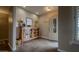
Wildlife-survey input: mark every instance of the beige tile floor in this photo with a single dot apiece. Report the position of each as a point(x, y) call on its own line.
point(39, 45)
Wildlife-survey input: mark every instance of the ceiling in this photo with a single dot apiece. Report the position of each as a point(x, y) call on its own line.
point(4, 11)
point(39, 10)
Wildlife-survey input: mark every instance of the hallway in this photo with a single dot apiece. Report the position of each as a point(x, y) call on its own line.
point(39, 45)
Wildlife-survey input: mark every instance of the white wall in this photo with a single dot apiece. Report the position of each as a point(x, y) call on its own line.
point(44, 24)
point(12, 29)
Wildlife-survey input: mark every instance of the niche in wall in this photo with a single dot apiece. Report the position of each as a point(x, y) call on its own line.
point(54, 25)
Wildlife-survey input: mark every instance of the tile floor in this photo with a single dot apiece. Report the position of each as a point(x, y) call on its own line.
point(38, 45)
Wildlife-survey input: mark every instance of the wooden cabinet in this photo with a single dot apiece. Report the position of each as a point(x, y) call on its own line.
point(34, 33)
point(28, 34)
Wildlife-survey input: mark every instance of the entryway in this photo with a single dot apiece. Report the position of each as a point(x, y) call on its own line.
point(36, 31)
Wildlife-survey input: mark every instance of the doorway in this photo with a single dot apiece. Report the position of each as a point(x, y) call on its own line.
point(4, 28)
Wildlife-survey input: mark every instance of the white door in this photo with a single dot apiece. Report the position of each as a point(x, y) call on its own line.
point(53, 28)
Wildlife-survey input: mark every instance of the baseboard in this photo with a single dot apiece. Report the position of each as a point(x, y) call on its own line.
point(60, 50)
point(10, 46)
point(3, 39)
point(49, 39)
point(13, 50)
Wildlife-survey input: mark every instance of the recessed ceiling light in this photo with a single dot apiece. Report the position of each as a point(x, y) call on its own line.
point(37, 13)
point(47, 9)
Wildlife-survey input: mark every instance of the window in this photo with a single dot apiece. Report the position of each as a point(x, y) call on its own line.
point(28, 22)
point(76, 23)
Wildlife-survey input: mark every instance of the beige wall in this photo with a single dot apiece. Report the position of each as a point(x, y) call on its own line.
point(4, 27)
point(44, 24)
point(4, 24)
